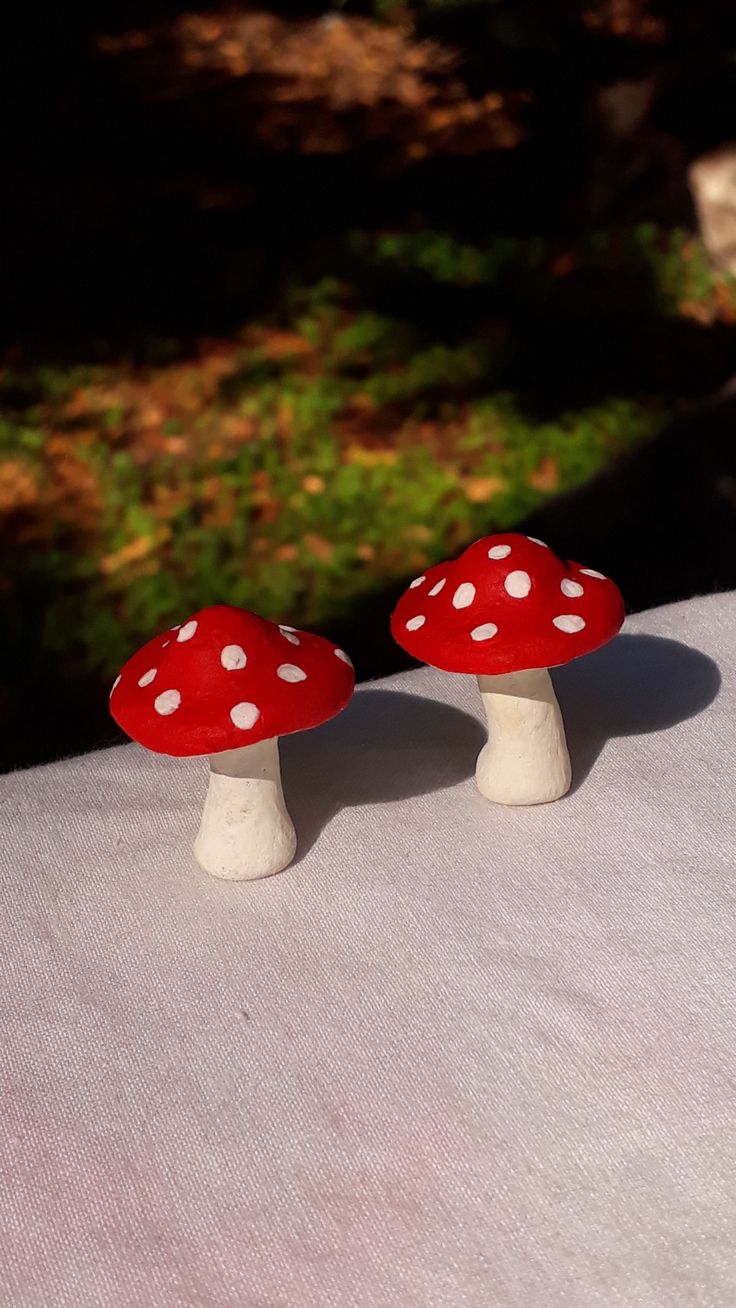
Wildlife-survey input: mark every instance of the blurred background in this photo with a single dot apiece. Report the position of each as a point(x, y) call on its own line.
point(296, 301)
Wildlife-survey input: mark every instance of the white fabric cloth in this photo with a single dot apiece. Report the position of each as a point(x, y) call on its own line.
point(458, 1056)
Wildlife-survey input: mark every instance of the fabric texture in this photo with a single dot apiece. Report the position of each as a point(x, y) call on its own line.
point(457, 1056)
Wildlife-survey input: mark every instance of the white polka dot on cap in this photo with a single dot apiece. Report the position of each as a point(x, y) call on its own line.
point(187, 631)
point(415, 623)
point(167, 702)
point(416, 582)
point(569, 622)
point(438, 586)
point(499, 551)
point(572, 589)
point(290, 672)
point(289, 634)
point(233, 657)
point(518, 584)
point(484, 632)
point(244, 715)
point(345, 658)
point(591, 572)
point(147, 677)
point(464, 595)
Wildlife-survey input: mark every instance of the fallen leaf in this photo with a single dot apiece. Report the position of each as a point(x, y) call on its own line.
point(239, 429)
point(319, 547)
point(285, 421)
point(368, 458)
point(361, 402)
point(726, 303)
point(287, 553)
point(546, 477)
point(280, 345)
point(423, 535)
point(699, 311)
point(151, 415)
point(211, 488)
point(18, 487)
point(131, 553)
point(77, 405)
point(479, 490)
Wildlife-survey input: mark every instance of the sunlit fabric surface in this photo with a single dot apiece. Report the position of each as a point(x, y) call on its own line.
point(456, 1057)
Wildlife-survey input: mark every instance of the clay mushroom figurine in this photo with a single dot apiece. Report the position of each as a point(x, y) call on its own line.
point(507, 610)
point(227, 684)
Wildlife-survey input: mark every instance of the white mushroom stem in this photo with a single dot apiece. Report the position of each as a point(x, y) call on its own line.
point(246, 831)
point(525, 760)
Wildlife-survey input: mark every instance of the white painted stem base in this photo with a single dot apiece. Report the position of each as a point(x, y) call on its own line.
point(246, 831)
point(526, 759)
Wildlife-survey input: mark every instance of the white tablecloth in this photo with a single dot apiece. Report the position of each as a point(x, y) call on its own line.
point(459, 1056)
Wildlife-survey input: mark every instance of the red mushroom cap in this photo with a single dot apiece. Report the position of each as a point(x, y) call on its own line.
point(508, 603)
point(227, 678)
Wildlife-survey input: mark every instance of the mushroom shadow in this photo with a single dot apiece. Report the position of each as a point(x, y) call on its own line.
point(633, 685)
point(386, 746)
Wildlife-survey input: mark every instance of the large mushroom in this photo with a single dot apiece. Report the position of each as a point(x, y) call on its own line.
point(227, 684)
point(506, 611)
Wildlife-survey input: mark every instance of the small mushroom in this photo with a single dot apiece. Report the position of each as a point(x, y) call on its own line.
point(228, 683)
point(507, 610)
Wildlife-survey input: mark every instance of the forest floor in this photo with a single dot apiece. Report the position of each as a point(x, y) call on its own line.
point(293, 467)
